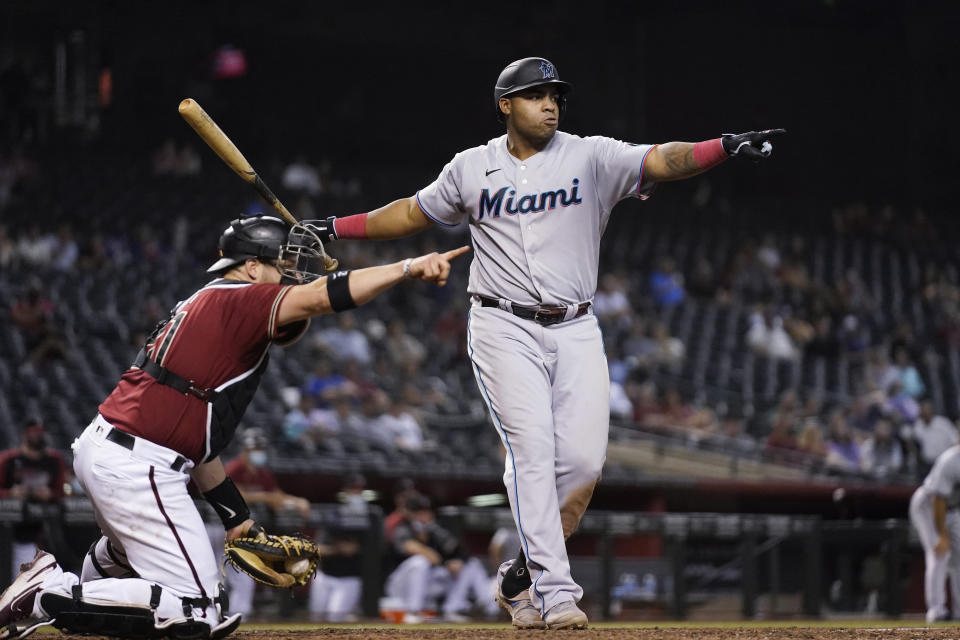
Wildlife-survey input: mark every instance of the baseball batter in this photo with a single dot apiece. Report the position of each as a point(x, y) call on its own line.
point(537, 201)
point(934, 514)
point(153, 571)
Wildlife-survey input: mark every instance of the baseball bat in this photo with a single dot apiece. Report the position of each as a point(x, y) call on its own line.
point(217, 140)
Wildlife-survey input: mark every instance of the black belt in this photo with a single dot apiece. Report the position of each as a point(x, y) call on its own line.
point(543, 314)
point(166, 377)
point(127, 441)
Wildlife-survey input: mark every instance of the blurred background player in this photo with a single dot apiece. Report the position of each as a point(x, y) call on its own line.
point(35, 474)
point(430, 566)
point(336, 590)
point(933, 512)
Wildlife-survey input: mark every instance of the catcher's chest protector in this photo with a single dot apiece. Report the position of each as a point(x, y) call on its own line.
point(229, 406)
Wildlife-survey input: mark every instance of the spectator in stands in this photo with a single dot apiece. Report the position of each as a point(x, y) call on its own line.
point(638, 345)
point(345, 341)
point(429, 563)
point(781, 444)
point(928, 437)
point(620, 405)
point(879, 374)
point(65, 249)
point(767, 337)
point(188, 161)
point(300, 175)
point(676, 414)
point(732, 435)
point(258, 485)
point(165, 158)
point(824, 343)
point(768, 254)
point(669, 351)
point(811, 443)
point(881, 455)
point(35, 474)
point(610, 303)
point(32, 314)
point(900, 405)
point(93, 256)
point(401, 427)
point(843, 452)
point(325, 384)
point(404, 350)
point(666, 284)
point(309, 428)
point(35, 248)
point(702, 282)
point(335, 591)
point(646, 405)
point(793, 270)
point(909, 376)
point(854, 336)
point(8, 250)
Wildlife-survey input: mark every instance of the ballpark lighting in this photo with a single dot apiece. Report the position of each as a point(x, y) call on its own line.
point(487, 500)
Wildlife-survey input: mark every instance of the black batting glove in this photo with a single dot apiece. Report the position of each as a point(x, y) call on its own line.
point(323, 228)
point(752, 144)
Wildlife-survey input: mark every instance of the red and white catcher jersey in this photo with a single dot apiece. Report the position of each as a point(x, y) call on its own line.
point(217, 338)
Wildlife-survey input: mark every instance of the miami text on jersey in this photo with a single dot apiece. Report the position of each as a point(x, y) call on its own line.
point(530, 203)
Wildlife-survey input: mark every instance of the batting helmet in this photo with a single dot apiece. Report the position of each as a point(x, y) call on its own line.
point(253, 237)
point(526, 73)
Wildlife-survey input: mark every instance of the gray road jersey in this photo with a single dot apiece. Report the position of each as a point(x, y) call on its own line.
point(536, 224)
point(944, 477)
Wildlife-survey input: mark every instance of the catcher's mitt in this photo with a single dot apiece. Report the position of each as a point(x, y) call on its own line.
point(277, 561)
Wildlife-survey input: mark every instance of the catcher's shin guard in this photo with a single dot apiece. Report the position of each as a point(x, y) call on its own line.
point(75, 616)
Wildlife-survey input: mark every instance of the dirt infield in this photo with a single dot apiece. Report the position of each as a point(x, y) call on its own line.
point(755, 631)
point(610, 633)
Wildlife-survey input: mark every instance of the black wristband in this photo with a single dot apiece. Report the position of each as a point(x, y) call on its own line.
point(338, 290)
point(226, 500)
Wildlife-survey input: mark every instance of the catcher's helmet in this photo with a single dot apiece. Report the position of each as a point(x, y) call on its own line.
point(257, 236)
point(526, 73)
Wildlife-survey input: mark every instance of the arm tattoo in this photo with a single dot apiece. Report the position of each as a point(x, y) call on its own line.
point(678, 159)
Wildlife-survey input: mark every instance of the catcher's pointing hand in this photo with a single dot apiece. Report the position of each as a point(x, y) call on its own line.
point(435, 267)
point(752, 144)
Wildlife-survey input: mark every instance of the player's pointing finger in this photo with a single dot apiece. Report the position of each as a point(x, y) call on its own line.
point(453, 253)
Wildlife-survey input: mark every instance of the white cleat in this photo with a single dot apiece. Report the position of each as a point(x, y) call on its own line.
point(16, 603)
point(566, 615)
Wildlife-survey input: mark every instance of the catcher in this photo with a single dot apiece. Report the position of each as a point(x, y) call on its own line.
point(153, 573)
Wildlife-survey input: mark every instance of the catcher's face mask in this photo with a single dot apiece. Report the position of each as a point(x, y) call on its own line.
point(302, 258)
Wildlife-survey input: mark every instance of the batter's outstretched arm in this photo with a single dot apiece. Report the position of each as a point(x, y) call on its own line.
point(679, 160)
point(671, 161)
point(345, 290)
point(398, 219)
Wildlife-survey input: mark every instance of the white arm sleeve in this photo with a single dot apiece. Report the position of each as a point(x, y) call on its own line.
point(441, 200)
point(619, 167)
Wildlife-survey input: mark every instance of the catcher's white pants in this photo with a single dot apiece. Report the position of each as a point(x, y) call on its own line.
point(937, 567)
point(548, 391)
point(240, 586)
point(153, 528)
